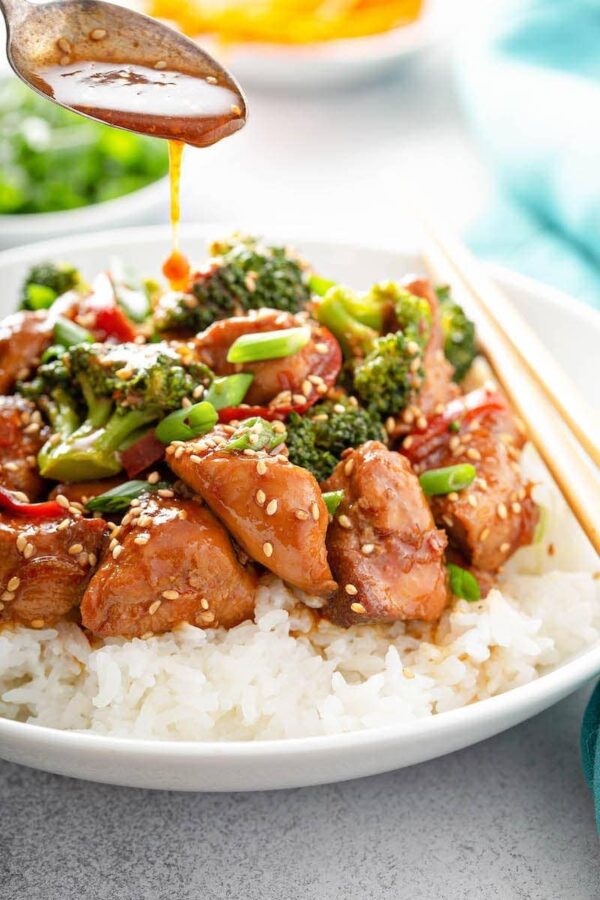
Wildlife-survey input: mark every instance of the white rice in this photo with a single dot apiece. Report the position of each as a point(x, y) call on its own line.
point(286, 675)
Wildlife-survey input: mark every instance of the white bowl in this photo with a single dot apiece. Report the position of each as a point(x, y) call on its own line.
point(142, 207)
point(569, 329)
point(331, 63)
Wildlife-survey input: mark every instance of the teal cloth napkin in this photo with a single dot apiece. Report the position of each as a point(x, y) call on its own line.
point(529, 76)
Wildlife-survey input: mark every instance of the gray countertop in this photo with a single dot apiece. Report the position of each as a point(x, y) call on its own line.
point(507, 818)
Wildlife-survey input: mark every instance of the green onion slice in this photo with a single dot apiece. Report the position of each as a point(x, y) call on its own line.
point(332, 500)
point(256, 434)
point(120, 497)
point(70, 333)
point(319, 286)
point(450, 478)
point(463, 584)
point(229, 390)
point(268, 344)
point(185, 424)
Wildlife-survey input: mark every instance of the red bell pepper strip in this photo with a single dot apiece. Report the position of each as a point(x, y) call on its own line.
point(48, 510)
point(109, 319)
point(462, 410)
point(146, 451)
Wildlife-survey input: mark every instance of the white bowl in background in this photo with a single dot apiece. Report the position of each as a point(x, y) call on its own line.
point(569, 329)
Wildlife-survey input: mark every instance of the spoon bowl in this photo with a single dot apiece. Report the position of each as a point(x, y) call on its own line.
point(123, 68)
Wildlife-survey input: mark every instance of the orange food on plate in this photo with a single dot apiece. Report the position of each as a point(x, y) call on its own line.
point(287, 21)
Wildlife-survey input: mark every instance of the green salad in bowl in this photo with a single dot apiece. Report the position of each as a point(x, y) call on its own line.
point(61, 173)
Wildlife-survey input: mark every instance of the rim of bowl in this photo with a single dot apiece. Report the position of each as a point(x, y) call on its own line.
point(573, 672)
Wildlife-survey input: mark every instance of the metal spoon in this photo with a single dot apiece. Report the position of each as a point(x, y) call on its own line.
point(124, 68)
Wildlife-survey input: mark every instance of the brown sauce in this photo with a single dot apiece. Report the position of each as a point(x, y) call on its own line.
point(182, 108)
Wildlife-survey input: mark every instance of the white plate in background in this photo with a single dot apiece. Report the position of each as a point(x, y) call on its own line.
point(570, 330)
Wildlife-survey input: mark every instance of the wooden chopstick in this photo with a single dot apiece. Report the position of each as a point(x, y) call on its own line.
point(558, 387)
point(576, 478)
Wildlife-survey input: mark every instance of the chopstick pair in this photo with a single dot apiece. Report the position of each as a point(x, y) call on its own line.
point(558, 420)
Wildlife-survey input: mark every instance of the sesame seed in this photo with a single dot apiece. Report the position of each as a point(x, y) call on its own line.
point(415, 364)
point(301, 514)
point(37, 623)
point(321, 348)
point(390, 424)
point(153, 477)
point(261, 467)
point(502, 511)
point(63, 44)
point(11, 466)
point(193, 457)
point(198, 391)
point(160, 64)
point(65, 60)
point(344, 521)
point(92, 559)
point(408, 673)
point(339, 408)
point(204, 603)
point(170, 595)
point(154, 607)
point(272, 507)
point(96, 34)
point(21, 496)
point(135, 502)
point(408, 442)
point(7, 596)
point(62, 501)
point(207, 617)
point(408, 416)
point(474, 454)
point(516, 508)
point(268, 549)
point(314, 510)
point(351, 589)
point(278, 427)
point(452, 496)
point(505, 547)
point(321, 388)
point(28, 551)
point(13, 584)
point(165, 493)
point(422, 423)
point(485, 533)
point(358, 608)
point(454, 442)
point(32, 429)
point(249, 452)
point(147, 634)
point(472, 500)
point(299, 399)
point(260, 497)
point(348, 466)
point(367, 549)
point(211, 79)
point(253, 438)
point(21, 542)
point(412, 347)
point(117, 551)
point(306, 387)
point(141, 539)
point(235, 109)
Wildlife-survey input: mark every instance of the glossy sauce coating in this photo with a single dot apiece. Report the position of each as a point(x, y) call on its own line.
point(273, 509)
point(22, 434)
point(384, 548)
point(46, 565)
point(177, 564)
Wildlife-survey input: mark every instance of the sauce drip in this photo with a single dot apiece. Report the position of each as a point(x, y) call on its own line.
point(176, 268)
point(158, 101)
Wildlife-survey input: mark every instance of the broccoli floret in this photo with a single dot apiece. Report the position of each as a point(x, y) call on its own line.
point(243, 275)
point(47, 281)
point(383, 371)
point(317, 440)
point(459, 334)
point(110, 393)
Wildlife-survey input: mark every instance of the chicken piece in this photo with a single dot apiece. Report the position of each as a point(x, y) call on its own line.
point(22, 434)
point(274, 509)
point(23, 338)
point(384, 548)
point(438, 387)
point(82, 491)
point(489, 520)
point(45, 566)
point(176, 563)
point(286, 380)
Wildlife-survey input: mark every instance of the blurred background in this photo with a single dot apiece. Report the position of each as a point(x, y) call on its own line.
point(489, 111)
